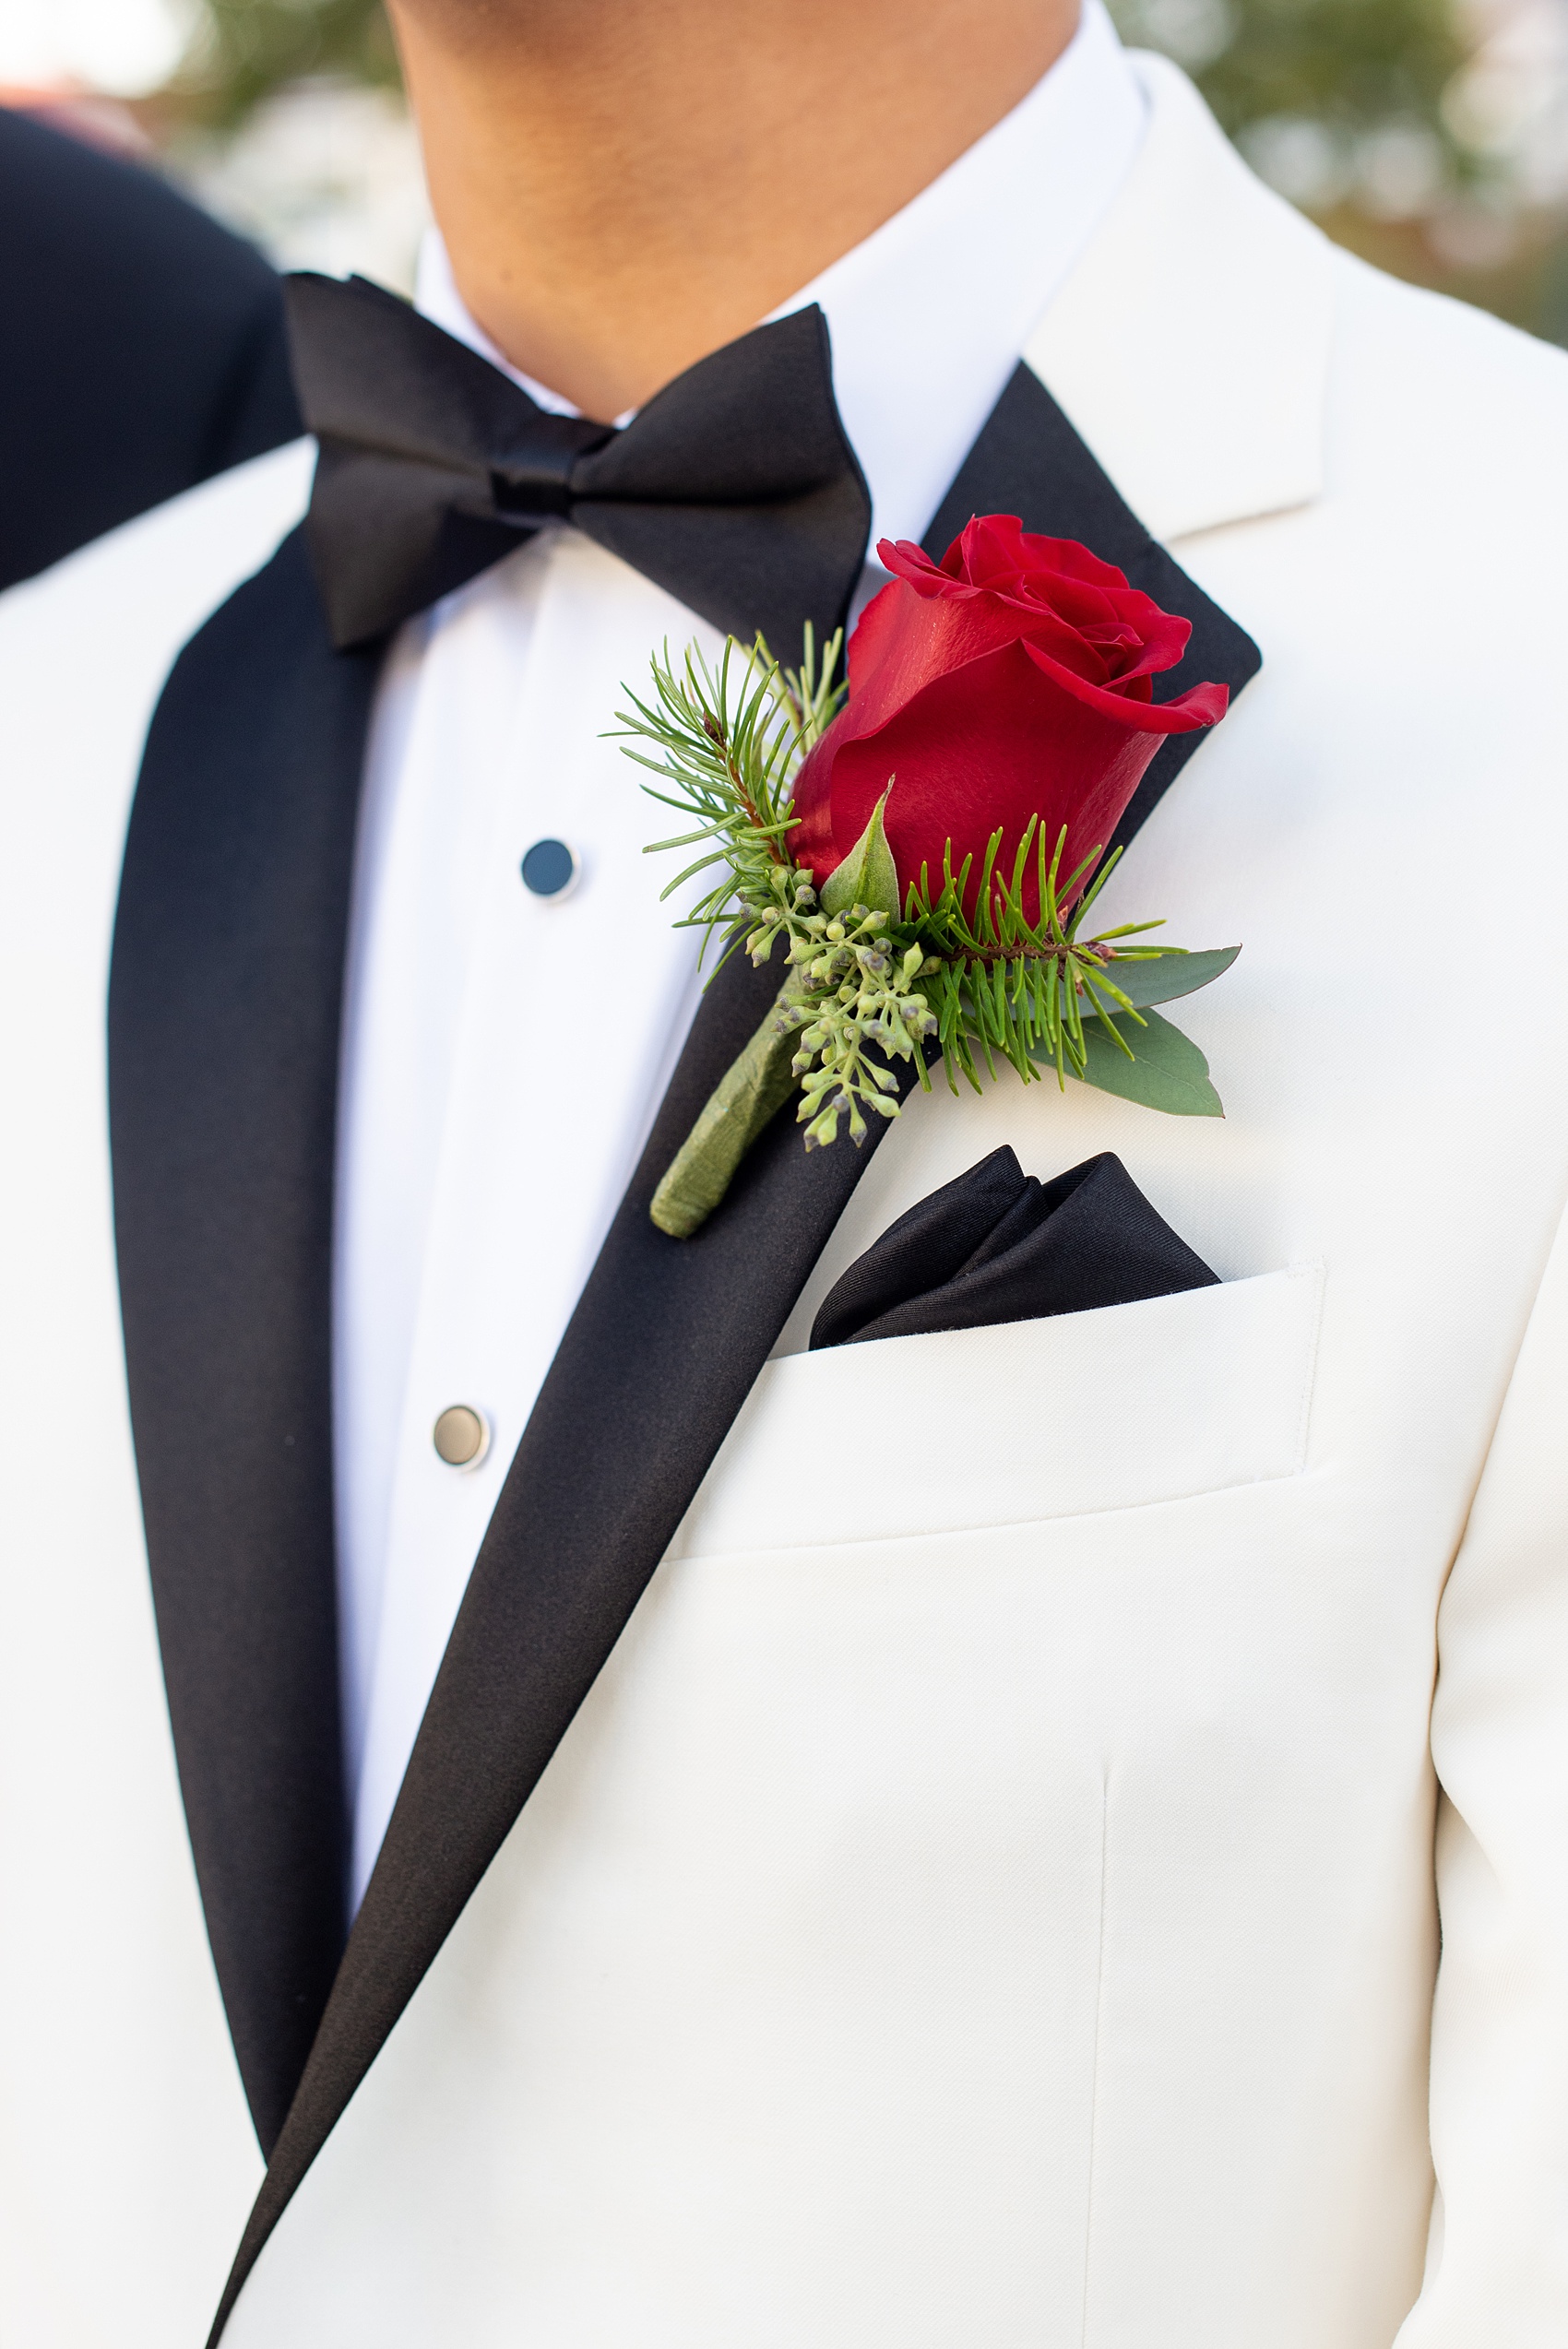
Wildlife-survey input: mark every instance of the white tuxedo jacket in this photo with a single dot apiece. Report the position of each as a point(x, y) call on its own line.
point(994, 1893)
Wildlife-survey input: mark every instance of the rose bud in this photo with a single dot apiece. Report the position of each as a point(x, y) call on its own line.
point(1011, 680)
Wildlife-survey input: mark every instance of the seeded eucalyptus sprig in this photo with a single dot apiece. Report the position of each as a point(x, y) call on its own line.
point(873, 979)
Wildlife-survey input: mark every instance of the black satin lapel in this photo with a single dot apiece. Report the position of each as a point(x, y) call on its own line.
point(1029, 461)
point(662, 1350)
point(223, 1020)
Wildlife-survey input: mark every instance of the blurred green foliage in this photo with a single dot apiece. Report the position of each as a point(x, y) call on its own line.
point(245, 49)
point(1359, 63)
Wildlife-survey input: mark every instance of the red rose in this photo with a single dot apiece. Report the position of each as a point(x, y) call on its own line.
point(1011, 680)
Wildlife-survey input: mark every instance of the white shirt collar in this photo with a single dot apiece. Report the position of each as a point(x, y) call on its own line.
point(929, 314)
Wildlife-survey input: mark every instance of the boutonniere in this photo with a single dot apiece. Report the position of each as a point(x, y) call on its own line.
point(928, 839)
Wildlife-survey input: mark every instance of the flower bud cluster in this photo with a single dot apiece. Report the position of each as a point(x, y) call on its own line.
point(851, 991)
point(778, 902)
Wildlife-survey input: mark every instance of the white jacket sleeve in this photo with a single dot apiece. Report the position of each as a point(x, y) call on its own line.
point(1497, 2269)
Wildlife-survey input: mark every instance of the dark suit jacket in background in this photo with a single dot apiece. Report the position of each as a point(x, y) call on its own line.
point(143, 346)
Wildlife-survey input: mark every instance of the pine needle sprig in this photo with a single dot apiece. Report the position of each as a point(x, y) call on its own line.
point(1003, 987)
point(730, 743)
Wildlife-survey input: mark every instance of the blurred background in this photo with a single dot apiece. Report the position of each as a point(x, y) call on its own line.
point(1431, 135)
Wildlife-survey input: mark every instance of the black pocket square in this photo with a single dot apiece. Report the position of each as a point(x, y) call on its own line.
point(998, 1245)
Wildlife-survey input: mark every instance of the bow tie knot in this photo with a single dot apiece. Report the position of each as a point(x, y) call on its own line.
point(735, 488)
point(536, 479)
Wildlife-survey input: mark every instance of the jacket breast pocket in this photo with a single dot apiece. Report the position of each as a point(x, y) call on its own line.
point(1081, 1413)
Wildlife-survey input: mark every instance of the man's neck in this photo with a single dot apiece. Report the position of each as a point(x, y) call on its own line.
point(623, 186)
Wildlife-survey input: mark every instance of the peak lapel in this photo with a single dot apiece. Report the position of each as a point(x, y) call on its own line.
point(1029, 461)
point(663, 1348)
point(223, 1021)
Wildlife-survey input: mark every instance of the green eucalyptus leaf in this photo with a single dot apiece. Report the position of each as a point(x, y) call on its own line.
point(1170, 975)
point(867, 876)
point(1169, 1072)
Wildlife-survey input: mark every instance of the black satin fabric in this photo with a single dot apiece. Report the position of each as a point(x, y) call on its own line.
point(735, 488)
point(226, 989)
point(998, 1245)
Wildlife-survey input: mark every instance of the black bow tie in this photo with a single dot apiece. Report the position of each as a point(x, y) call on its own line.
point(735, 488)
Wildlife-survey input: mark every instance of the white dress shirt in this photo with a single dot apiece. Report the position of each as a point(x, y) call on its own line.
point(504, 1054)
